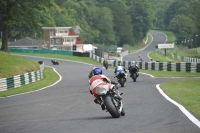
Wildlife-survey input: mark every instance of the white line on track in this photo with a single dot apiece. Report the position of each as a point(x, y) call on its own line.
point(187, 113)
point(183, 109)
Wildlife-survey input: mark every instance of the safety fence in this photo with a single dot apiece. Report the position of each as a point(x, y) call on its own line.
point(19, 80)
point(162, 66)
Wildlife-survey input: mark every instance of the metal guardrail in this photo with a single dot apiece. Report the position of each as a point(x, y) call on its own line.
point(19, 80)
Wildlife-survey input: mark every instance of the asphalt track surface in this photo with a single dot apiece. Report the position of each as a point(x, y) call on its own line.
point(68, 107)
point(158, 38)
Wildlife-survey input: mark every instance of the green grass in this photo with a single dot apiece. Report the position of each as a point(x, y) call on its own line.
point(49, 77)
point(170, 35)
point(187, 93)
point(157, 73)
point(155, 55)
point(182, 53)
point(179, 91)
point(64, 57)
point(140, 45)
point(12, 65)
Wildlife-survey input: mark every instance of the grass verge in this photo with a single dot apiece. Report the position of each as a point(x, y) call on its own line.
point(158, 56)
point(187, 93)
point(157, 73)
point(49, 77)
point(64, 57)
point(12, 65)
point(170, 35)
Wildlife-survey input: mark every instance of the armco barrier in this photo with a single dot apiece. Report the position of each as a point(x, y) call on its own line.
point(19, 80)
point(161, 66)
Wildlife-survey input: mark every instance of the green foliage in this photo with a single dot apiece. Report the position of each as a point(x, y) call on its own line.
point(183, 26)
point(122, 24)
point(102, 20)
point(20, 13)
point(142, 16)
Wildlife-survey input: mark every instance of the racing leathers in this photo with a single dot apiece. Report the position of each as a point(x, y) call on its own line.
point(102, 81)
point(120, 69)
point(132, 67)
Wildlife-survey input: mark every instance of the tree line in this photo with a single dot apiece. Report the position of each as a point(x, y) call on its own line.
point(108, 22)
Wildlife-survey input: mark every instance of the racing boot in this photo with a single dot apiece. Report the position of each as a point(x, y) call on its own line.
point(97, 101)
point(122, 113)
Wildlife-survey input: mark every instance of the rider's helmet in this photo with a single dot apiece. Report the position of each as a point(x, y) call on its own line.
point(120, 64)
point(97, 71)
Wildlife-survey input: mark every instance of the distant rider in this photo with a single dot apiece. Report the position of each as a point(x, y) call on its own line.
point(99, 80)
point(120, 69)
point(132, 67)
point(105, 62)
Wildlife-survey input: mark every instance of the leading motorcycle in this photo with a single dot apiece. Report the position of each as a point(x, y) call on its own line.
point(112, 104)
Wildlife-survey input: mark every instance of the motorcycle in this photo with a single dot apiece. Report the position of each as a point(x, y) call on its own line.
point(121, 78)
point(133, 74)
point(105, 64)
point(112, 104)
point(55, 62)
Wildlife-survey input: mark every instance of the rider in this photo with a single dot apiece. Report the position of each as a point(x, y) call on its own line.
point(133, 66)
point(99, 80)
point(105, 62)
point(91, 73)
point(120, 68)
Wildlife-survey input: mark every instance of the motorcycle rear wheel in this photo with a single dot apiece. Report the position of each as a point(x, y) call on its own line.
point(134, 77)
point(122, 82)
point(110, 106)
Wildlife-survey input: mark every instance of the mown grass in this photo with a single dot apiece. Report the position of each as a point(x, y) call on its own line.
point(12, 65)
point(64, 57)
point(184, 54)
point(155, 55)
point(49, 77)
point(157, 73)
point(187, 93)
point(170, 35)
point(141, 44)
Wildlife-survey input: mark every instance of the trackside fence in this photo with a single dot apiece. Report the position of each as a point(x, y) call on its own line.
point(164, 66)
point(19, 80)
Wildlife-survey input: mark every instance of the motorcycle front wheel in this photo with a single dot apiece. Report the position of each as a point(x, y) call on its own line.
point(110, 106)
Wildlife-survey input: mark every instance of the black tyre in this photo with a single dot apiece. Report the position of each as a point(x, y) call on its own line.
point(122, 82)
point(110, 106)
point(134, 77)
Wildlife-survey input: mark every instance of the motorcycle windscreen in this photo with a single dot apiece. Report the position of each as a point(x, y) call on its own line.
point(102, 89)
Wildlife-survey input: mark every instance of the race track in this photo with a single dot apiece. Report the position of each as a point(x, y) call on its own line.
point(68, 107)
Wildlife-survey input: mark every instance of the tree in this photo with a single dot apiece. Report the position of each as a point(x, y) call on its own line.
point(142, 16)
point(19, 12)
point(101, 19)
point(183, 26)
point(122, 24)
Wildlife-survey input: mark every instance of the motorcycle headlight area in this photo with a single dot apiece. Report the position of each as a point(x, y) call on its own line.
point(102, 90)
